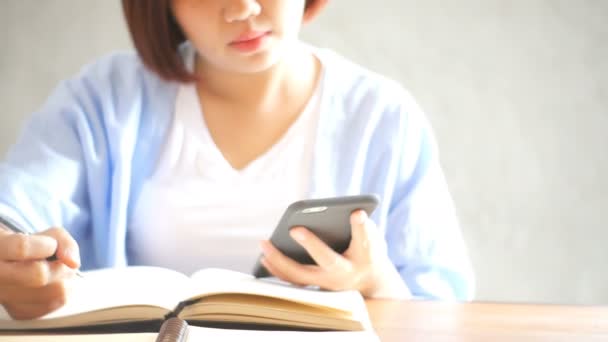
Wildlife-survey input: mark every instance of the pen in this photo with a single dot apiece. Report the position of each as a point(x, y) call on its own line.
point(10, 224)
point(173, 330)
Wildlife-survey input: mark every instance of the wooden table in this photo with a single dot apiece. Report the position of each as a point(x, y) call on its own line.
point(410, 321)
point(434, 321)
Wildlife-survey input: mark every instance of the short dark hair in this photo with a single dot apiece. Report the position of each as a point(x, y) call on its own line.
point(157, 37)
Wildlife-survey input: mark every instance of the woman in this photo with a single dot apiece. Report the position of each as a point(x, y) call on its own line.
point(185, 155)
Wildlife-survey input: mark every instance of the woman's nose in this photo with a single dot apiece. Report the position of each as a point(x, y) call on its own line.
point(238, 10)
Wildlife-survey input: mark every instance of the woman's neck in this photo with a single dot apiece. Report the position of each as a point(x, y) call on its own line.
point(263, 92)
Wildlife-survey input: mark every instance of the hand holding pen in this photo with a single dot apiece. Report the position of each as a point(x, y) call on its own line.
point(70, 256)
point(31, 286)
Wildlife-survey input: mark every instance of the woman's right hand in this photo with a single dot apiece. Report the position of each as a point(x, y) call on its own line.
point(31, 286)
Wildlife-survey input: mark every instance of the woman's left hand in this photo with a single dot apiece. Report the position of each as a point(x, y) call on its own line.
point(364, 266)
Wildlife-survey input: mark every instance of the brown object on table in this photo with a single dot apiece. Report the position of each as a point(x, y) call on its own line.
point(441, 321)
point(173, 330)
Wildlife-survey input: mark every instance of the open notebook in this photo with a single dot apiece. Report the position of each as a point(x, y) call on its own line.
point(127, 297)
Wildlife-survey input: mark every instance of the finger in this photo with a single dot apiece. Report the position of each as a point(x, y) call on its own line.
point(289, 269)
point(32, 274)
point(358, 222)
point(67, 248)
point(276, 272)
point(18, 294)
point(318, 250)
point(20, 311)
point(37, 303)
point(21, 247)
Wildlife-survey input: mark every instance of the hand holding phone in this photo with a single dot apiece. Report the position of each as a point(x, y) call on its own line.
point(327, 218)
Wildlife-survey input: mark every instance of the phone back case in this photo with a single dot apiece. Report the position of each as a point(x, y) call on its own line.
point(327, 218)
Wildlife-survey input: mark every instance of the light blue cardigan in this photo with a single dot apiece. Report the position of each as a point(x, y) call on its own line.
point(82, 158)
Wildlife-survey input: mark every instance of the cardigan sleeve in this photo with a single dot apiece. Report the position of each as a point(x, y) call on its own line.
point(423, 236)
point(63, 157)
point(42, 178)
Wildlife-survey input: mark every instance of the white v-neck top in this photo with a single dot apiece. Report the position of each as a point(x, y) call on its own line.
point(198, 211)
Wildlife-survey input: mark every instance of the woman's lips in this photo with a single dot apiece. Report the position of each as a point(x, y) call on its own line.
point(250, 41)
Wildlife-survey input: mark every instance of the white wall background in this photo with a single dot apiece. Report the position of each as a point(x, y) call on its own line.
point(517, 91)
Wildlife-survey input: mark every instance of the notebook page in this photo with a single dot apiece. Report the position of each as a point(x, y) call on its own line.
point(211, 281)
point(115, 287)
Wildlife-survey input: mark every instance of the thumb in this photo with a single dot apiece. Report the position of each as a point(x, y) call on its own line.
point(359, 233)
point(67, 248)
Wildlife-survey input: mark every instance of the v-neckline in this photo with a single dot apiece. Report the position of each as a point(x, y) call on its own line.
point(197, 118)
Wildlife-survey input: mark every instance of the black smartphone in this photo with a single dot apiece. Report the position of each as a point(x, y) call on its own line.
point(327, 218)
